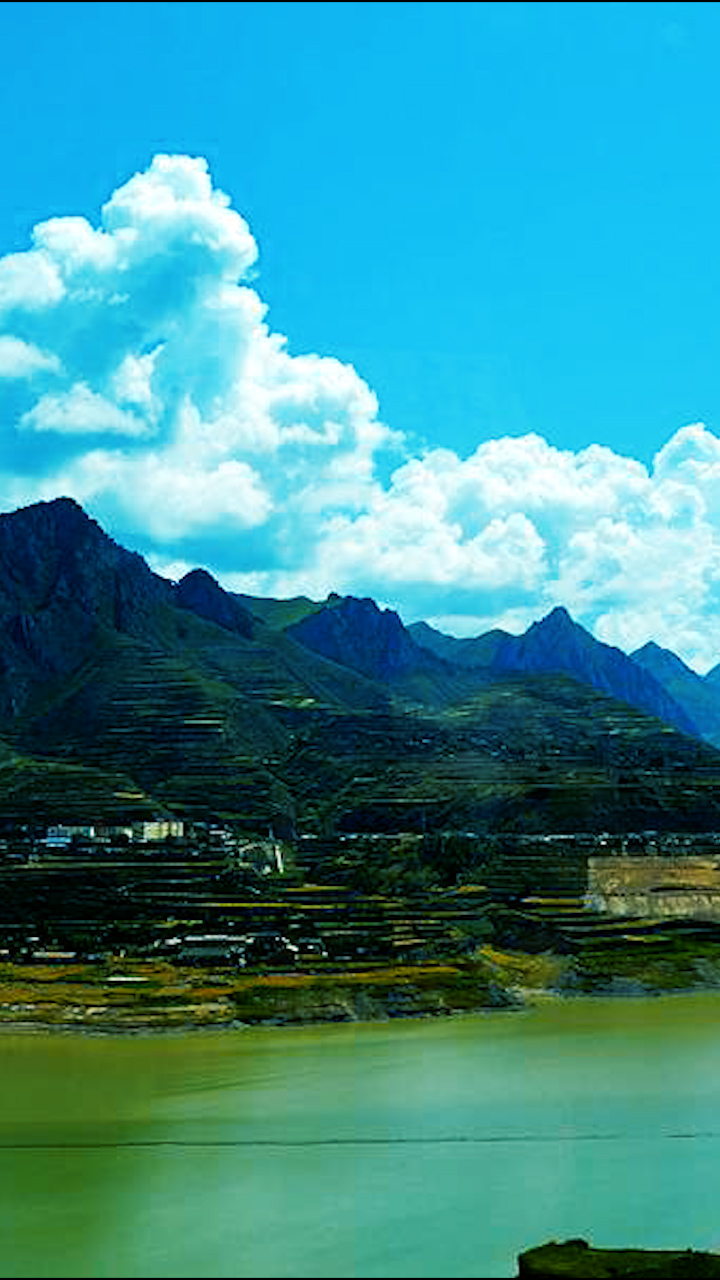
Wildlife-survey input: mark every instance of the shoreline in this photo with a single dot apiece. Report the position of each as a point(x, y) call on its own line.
point(133, 997)
point(285, 1001)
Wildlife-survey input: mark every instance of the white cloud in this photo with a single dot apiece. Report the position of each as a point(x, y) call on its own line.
point(500, 537)
point(28, 281)
point(202, 421)
point(141, 353)
point(132, 382)
point(80, 411)
point(171, 501)
point(20, 359)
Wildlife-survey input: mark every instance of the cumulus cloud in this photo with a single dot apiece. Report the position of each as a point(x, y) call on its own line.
point(172, 409)
point(139, 374)
point(29, 282)
point(20, 359)
point(633, 552)
point(80, 411)
point(500, 537)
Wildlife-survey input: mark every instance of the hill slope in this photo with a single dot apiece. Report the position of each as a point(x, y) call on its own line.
point(177, 695)
point(698, 696)
point(558, 644)
point(374, 642)
point(468, 651)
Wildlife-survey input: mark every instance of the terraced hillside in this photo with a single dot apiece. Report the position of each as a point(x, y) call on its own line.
point(116, 918)
point(156, 716)
point(36, 791)
point(533, 754)
point(207, 710)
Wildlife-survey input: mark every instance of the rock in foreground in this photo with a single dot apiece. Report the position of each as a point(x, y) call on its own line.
point(576, 1258)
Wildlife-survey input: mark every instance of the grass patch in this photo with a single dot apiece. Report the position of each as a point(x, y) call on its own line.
point(520, 969)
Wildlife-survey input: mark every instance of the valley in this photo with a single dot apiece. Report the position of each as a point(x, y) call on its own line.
point(422, 827)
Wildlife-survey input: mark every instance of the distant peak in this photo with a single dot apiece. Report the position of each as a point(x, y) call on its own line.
point(202, 594)
point(354, 606)
point(646, 649)
point(199, 576)
point(657, 659)
point(557, 618)
point(63, 502)
point(61, 508)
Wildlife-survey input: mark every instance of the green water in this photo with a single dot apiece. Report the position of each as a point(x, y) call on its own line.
point(401, 1149)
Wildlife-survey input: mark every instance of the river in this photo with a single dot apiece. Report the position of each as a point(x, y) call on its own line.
point(418, 1148)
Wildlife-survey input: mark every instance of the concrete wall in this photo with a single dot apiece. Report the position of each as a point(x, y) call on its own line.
point(686, 886)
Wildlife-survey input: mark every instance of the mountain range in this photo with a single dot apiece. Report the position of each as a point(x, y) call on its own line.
point(122, 692)
point(375, 643)
point(558, 644)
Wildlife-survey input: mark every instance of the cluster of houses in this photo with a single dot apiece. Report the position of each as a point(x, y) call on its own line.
point(152, 831)
point(155, 837)
point(47, 865)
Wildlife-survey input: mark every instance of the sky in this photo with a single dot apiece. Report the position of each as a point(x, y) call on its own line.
point(416, 301)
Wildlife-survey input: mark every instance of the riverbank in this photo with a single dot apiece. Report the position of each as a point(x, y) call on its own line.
point(577, 1260)
point(125, 995)
point(137, 995)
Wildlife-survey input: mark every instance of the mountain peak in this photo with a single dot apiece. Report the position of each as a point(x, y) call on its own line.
point(61, 578)
point(202, 594)
point(657, 659)
point(58, 514)
point(650, 647)
point(663, 663)
point(467, 651)
point(558, 645)
point(557, 618)
point(356, 632)
point(61, 504)
point(699, 696)
point(200, 577)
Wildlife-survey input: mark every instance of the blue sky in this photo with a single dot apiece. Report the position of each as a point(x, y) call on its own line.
point(488, 234)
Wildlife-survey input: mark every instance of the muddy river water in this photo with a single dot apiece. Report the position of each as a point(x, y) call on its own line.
point(417, 1148)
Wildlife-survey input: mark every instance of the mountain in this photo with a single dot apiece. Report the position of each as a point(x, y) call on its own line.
point(70, 596)
point(712, 677)
point(278, 614)
point(375, 643)
point(558, 644)
point(199, 592)
point(358, 634)
point(122, 692)
point(105, 664)
point(61, 580)
point(466, 651)
point(698, 696)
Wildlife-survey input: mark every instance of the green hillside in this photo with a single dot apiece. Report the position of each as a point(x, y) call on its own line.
point(175, 697)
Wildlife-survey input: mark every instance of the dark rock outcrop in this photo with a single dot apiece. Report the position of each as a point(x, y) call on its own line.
point(199, 592)
point(577, 1260)
point(373, 641)
point(62, 579)
point(52, 554)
